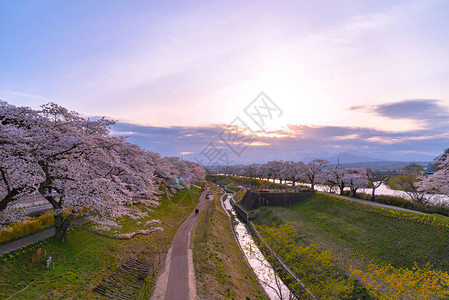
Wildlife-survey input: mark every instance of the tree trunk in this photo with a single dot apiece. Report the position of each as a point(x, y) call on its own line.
point(373, 197)
point(8, 198)
point(61, 226)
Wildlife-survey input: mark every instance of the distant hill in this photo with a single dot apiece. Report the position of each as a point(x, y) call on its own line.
point(381, 165)
point(344, 158)
point(349, 160)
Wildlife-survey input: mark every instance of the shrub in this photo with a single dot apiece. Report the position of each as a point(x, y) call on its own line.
point(315, 268)
point(404, 203)
point(26, 227)
point(388, 282)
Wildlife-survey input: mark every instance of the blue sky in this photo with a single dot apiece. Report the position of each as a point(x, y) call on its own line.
point(361, 76)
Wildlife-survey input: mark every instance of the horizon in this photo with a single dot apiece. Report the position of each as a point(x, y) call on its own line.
point(358, 77)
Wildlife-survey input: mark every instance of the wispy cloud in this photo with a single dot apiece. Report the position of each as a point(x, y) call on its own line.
point(298, 142)
point(430, 113)
point(26, 99)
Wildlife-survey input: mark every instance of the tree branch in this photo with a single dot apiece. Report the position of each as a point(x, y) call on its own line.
point(110, 236)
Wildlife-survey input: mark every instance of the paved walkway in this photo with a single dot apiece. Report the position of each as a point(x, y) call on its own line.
point(374, 203)
point(177, 281)
point(27, 240)
point(33, 237)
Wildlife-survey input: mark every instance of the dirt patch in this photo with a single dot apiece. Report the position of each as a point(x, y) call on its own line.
point(126, 282)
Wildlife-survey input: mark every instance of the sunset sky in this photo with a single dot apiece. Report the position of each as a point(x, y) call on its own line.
point(365, 77)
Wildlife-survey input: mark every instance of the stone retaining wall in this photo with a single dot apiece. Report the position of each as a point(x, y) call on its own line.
point(253, 200)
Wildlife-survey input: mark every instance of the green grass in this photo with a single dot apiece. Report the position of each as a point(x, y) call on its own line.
point(255, 183)
point(27, 227)
point(219, 179)
point(85, 259)
point(353, 229)
point(404, 203)
point(220, 270)
point(375, 248)
point(233, 188)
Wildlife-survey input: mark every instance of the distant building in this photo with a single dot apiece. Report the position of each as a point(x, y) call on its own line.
point(429, 172)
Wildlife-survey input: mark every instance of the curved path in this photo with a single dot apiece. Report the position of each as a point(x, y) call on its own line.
point(374, 203)
point(22, 242)
point(177, 281)
point(27, 240)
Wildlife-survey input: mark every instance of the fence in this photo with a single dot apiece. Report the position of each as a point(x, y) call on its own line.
point(253, 200)
point(239, 210)
point(288, 276)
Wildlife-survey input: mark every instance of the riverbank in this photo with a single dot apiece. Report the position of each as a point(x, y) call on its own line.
point(363, 243)
point(384, 195)
point(219, 268)
point(86, 259)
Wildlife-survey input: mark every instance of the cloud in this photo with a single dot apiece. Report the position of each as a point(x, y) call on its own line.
point(416, 109)
point(296, 143)
point(169, 141)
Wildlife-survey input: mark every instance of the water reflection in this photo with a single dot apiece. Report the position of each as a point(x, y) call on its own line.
point(271, 283)
point(383, 189)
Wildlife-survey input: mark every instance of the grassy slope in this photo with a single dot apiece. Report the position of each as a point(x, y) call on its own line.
point(359, 234)
point(221, 272)
point(255, 183)
point(85, 259)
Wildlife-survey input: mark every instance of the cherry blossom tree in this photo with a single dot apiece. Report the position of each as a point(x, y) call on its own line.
point(18, 173)
point(313, 169)
point(374, 181)
point(413, 183)
point(250, 171)
point(355, 179)
point(286, 171)
point(437, 182)
point(75, 164)
point(273, 169)
point(84, 167)
point(166, 171)
point(336, 177)
point(292, 171)
point(188, 171)
point(228, 170)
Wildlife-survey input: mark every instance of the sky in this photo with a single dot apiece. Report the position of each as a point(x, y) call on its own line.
point(364, 77)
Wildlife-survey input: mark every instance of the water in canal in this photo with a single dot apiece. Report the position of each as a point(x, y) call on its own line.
point(271, 283)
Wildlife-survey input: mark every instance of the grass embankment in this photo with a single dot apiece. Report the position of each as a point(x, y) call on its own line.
point(440, 209)
point(376, 246)
point(244, 181)
point(221, 272)
point(239, 192)
point(233, 183)
point(86, 259)
point(26, 227)
point(397, 201)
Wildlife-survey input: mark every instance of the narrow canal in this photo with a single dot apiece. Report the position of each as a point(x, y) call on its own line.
point(271, 283)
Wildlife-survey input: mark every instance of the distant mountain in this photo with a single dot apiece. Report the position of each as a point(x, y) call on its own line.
point(349, 160)
point(381, 165)
point(344, 158)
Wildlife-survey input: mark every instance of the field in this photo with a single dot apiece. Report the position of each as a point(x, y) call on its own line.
point(380, 250)
point(243, 181)
point(86, 259)
point(221, 271)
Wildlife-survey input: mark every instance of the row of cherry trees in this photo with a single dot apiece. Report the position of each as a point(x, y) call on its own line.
point(75, 163)
point(417, 185)
point(314, 172)
point(438, 182)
